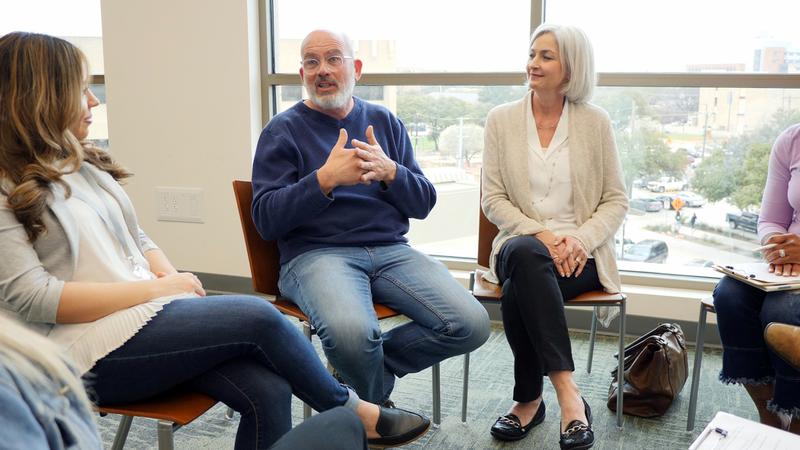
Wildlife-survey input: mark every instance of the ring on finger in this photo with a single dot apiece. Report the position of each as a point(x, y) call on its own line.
point(578, 260)
point(782, 253)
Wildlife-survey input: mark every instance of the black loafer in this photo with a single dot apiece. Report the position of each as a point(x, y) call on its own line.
point(578, 435)
point(398, 427)
point(509, 427)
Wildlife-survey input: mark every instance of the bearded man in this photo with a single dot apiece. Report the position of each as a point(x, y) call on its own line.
point(339, 210)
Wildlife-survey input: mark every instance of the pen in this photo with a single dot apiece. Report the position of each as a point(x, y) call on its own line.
point(765, 247)
point(701, 438)
point(704, 435)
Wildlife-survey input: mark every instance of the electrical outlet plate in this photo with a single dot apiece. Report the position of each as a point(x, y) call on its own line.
point(179, 204)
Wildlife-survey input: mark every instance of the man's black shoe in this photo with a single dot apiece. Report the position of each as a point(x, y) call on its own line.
point(398, 427)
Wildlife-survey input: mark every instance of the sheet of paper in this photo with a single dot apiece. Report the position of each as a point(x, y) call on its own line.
point(736, 433)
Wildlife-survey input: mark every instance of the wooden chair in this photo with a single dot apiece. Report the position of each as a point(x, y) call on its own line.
point(706, 306)
point(265, 268)
point(172, 411)
point(485, 291)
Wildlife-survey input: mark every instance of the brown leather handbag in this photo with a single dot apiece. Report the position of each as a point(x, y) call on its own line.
point(656, 367)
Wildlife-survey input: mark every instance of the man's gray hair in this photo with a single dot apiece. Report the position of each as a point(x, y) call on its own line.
point(577, 60)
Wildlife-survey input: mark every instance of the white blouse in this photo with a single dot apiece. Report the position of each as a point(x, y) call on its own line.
point(550, 176)
point(104, 256)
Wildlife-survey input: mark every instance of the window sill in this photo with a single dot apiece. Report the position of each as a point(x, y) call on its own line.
point(636, 274)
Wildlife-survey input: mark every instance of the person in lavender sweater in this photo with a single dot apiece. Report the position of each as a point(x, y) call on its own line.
point(744, 311)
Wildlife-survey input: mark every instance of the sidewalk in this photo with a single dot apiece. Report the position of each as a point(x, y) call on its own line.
point(723, 241)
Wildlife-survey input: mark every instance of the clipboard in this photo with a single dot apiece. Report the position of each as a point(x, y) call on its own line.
point(758, 275)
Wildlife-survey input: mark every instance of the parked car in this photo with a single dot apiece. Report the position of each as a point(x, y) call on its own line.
point(691, 199)
point(664, 184)
point(648, 250)
point(700, 262)
point(666, 200)
point(646, 204)
point(746, 221)
point(620, 247)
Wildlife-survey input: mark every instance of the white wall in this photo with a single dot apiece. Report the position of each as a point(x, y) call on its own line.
point(183, 89)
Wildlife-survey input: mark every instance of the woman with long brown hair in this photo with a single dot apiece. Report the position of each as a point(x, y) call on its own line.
point(77, 267)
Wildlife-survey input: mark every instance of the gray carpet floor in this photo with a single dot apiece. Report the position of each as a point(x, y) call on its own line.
point(491, 382)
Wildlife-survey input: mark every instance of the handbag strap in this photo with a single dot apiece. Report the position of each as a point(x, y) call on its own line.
point(657, 331)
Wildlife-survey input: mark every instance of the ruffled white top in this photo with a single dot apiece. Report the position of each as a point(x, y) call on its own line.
point(102, 258)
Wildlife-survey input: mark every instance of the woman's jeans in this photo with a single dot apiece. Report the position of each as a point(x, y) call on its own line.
point(337, 288)
point(743, 312)
point(237, 349)
point(532, 305)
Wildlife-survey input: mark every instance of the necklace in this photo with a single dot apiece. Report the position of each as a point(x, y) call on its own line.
point(548, 127)
point(551, 176)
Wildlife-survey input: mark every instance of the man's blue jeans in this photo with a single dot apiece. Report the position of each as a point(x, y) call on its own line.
point(336, 288)
point(237, 349)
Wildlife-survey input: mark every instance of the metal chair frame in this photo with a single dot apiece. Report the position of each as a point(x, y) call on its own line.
point(706, 306)
point(172, 411)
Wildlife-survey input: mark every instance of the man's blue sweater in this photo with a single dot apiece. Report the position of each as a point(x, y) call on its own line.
point(288, 203)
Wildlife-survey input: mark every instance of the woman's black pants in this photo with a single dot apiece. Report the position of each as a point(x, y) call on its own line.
point(533, 311)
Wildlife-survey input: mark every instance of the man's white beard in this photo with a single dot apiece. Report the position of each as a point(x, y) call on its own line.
point(334, 101)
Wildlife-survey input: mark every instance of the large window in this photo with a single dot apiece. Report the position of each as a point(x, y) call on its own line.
point(694, 145)
point(77, 21)
point(687, 35)
point(412, 35)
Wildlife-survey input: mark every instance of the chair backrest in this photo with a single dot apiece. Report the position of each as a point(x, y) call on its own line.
point(263, 255)
point(486, 234)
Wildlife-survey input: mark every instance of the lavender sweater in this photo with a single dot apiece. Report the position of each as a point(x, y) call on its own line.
point(781, 201)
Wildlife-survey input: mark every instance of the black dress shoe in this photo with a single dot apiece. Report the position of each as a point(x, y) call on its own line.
point(578, 435)
point(509, 428)
point(398, 427)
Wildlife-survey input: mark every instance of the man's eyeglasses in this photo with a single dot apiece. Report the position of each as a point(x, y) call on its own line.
point(312, 64)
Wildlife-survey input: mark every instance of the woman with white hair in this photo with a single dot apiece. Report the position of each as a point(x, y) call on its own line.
point(552, 183)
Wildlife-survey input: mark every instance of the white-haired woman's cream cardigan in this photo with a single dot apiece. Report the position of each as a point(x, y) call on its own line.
point(598, 190)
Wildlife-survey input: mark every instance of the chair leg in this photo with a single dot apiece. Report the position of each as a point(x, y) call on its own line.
point(308, 333)
point(122, 432)
point(592, 336)
point(698, 361)
point(465, 391)
point(621, 363)
point(165, 441)
point(437, 397)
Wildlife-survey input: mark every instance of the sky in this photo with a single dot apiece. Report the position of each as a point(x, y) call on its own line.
point(480, 35)
point(56, 17)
